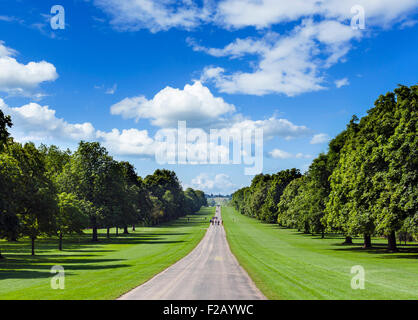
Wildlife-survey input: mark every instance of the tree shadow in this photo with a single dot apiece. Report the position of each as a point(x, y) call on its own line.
point(408, 251)
point(22, 267)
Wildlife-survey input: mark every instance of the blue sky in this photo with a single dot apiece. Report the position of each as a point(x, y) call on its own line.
point(297, 70)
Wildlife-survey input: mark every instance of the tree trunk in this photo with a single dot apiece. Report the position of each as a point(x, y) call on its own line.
point(133, 227)
point(348, 240)
point(108, 233)
point(94, 227)
point(367, 241)
point(117, 231)
point(33, 246)
point(125, 230)
point(60, 242)
point(392, 242)
point(323, 233)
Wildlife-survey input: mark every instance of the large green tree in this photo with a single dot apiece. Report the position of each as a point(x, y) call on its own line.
point(71, 216)
point(36, 199)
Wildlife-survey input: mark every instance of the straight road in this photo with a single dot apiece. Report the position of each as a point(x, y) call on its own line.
point(209, 272)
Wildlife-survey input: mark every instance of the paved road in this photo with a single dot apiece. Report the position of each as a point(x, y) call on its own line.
point(209, 272)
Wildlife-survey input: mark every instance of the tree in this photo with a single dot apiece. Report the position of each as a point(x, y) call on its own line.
point(287, 209)
point(85, 176)
point(172, 202)
point(277, 185)
point(5, 121)
point(397, 180)
point(10, 177)
point(373, 188)
point(72, 216)
point(37, 204)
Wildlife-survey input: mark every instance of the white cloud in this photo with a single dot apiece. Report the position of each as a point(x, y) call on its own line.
point(155, 15)
point(320, 138)
point(273, 127)
point(264, 13)
point(291, 64)
point(236, 49)
point(38, 123)
point(160, 15)
point(194, 104)
point(33, 122)
point(18, 78)
point(213, 183)
point(342, 82)
point(280, 154)
point(128, 142)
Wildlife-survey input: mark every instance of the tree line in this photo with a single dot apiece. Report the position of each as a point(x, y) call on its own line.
point(46, 191)
point(366, 183)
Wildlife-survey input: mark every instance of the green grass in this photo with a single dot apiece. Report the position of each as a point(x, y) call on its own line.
point(103, 270)
point(286, 264)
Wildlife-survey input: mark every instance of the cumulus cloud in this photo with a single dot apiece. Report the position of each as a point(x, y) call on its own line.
point(290, 64)
point(264, 13)
point(37, 123)
point(128, 142)
point(280, 154)
point(160, 15)
point(194, 104)
point(320, 138)
point(213, 183)
point(273, 127)
point(18, 78)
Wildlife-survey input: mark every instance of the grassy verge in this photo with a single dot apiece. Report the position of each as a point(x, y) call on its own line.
point(103, 270)
point(286, 264)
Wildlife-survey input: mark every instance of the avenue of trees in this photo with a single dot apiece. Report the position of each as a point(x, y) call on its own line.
point(366, 184)
point(46, 191)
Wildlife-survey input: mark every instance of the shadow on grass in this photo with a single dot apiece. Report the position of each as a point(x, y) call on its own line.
point(85, 245)
point(408, 251)
point(22, 267)
point(80, 253)
point(405, 251)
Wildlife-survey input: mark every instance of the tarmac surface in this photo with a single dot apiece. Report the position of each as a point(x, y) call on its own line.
point(209, 272)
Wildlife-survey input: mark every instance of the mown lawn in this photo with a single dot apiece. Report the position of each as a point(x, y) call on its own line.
point(286, 264)
point(103, 270)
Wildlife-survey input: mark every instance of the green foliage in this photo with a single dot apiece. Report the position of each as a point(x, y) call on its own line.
point(5, 121)
point(261, 198)
point(366, 184)
point(374, 185)
point(46, 191)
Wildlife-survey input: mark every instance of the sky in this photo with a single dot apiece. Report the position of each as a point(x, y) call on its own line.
point(123, 72)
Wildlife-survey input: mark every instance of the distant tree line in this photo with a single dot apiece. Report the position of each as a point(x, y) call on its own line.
point(46, 191)
point(366, 184)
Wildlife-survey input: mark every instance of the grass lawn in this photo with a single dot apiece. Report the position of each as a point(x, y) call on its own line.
point(286, 264)
point(102, 270)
